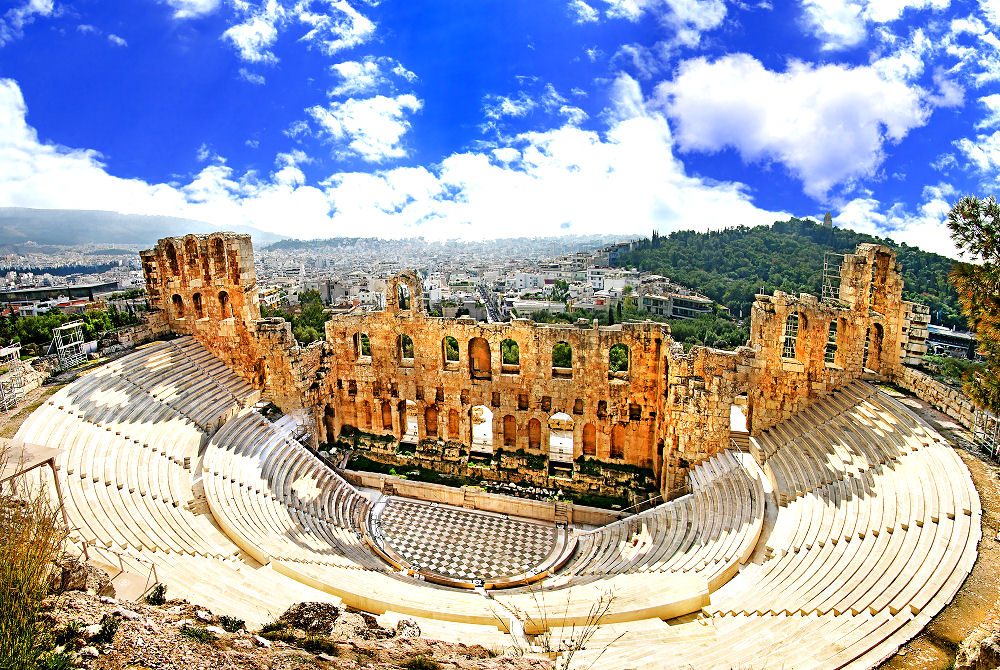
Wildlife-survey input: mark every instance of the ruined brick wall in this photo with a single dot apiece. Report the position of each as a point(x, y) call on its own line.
point(702, 386)
point(873, 327)
point(206, 286)
point(614, 417)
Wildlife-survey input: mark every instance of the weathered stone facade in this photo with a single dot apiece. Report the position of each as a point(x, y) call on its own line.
point(443, 385)
point(805, 348)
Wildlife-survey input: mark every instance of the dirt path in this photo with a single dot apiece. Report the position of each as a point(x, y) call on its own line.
point(979, 597)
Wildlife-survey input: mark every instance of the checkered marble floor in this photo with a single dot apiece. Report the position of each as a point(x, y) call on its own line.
point(463, 544)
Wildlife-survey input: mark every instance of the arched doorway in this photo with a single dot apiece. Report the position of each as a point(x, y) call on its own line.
point(561, 438)
point(482, 429)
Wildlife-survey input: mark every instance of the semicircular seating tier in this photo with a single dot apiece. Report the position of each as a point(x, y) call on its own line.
point(709, 532)
point(875, 529)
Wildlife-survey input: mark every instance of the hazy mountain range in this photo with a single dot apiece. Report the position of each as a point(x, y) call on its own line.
point(19, 225)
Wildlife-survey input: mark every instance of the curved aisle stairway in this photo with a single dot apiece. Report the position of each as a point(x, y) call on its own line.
point(876, 530)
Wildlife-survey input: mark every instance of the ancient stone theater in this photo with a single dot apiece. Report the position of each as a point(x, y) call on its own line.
point(824, 533)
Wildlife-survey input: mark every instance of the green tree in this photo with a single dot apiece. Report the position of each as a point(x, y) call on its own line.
point(560, 290)
point(618, 358)
point(450, 348)
point(562, 355)
point(975, 229)
point(510, 352)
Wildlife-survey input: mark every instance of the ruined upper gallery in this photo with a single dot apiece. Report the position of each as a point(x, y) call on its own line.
point(542, 390)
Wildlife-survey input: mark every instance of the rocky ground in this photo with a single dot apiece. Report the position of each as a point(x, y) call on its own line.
point(101, 633)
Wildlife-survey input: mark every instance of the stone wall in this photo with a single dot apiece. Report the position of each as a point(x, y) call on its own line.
point(667, 412)
point(798, 358)
point(947, 399)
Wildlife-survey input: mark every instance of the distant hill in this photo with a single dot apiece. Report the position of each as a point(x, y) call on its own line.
point(19, 225)
point(730, 266)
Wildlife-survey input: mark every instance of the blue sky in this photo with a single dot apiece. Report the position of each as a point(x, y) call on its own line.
point(496, 118)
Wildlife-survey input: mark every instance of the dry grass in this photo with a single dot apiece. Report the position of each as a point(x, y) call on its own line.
point(31, 536)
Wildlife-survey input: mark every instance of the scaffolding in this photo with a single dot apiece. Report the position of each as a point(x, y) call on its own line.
point(986, 432)
point(67, 341)
point(11, 376)
point(831, 277)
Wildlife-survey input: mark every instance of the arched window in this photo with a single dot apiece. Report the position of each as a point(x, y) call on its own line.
point(535, 434)
point(562, 360)
point(405, 349)
point(172, 259)
point(366, 415)
point(225, 307)
point(590, 440)
point(479, 358)
point(218, 256)
point(449, 352)
point(431, 421)
point(482, 428)
point(510, 355)
point(403, 295)
point(453, 425)
point(618, 362)
point(178, 303)
point(791, 336)
point(191, 251)
point(830, 356)
point(386, 416)
point(509, 431)
point(618, 441)
point(873, 348)
point(362, 346)
point(199, 311)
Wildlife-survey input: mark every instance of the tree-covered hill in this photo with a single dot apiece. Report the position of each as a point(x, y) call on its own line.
point(731, 266)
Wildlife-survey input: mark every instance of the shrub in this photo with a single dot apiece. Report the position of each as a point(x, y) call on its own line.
point(319, 644)
point(231, 624)
point(157, 595)
point(67, 634)
point(197, 633)
point(56, 660)
point(31, 536)
point(109, 626)
point(421, 663)
point(273, 626)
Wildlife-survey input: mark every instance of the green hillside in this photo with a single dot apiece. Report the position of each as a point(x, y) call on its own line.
point(731, 266)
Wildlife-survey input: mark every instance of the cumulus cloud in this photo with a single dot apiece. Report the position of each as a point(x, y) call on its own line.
point(685, 19)
point(254, 37)
point(628, 177)
point(843, 23)
point(923, 227)
point(116, 40)
point(983, 154)
point(339, 27)
point(185, 9)
point(371, 128)
point(582, 12)
point(367, 75)
point(254, 78)
point(826, 124)
point(13, 21)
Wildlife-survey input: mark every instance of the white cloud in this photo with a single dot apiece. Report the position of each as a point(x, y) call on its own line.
point(116, 40)
point(983, 153)
point(342, 27)
point(991, 10)
point(86, 28)
point(367, 76)
point(628, 179)
point(992, 105)
point(185, 9)
point(254, 37)
point(843, 23)
point(14, 20)
point(372, 128)
point(252, 77)
point(924, 227)
point(582, 12)
point(827, 124)
point(685, 19)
